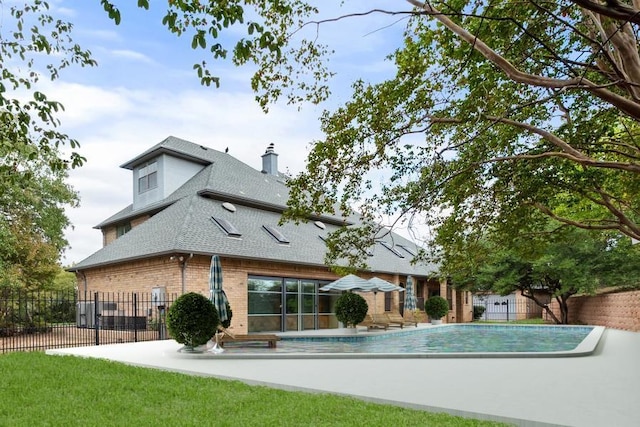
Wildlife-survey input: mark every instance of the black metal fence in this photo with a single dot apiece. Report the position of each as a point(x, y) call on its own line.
point(496, 308)
point(44, 320)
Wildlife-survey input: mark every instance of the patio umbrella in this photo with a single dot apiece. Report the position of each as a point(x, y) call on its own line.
point(384, 286)
point(381, 285)
point(410, 302)
point(350, 282)
point(217, 295)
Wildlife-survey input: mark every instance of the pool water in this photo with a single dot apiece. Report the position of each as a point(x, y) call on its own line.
point(447, 339)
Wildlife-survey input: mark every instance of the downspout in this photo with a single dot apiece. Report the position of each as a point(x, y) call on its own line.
point(81, 275)
point(183, 271)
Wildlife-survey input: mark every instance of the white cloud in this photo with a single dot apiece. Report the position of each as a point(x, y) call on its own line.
point(132, 55)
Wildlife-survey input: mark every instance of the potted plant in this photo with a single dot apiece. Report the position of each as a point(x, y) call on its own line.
point(192, 320)
point(351, 309)
point(436, 307)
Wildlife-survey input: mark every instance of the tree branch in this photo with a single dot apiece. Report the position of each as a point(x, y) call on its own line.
point(613, 9)
point(623, 104)
point(585, 226)
point(569, 152)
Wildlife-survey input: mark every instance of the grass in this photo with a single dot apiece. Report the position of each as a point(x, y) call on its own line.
point(38, 389)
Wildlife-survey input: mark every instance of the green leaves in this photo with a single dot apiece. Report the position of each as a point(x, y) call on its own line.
point(483, 127)
point(114, 13)
point(33, 170)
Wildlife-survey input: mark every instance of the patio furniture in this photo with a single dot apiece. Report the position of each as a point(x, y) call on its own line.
point(410, 318)
point(377, 323)
point(395, 319)
point(269, 339)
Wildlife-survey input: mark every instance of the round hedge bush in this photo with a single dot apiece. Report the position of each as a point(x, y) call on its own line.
point(351, 309)
point(192, 319)
point(436, 307)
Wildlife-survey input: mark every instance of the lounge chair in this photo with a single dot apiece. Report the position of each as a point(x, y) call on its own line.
point(410, 318)
point(395, 319)
point(377, 323)
point(270, 339)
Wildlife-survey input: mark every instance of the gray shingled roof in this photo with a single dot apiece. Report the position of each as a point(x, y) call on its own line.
point(183, 222)
point(224, 175)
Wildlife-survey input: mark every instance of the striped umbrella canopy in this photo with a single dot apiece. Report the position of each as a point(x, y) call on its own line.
point(410, 302)
point(216, 294)
point(350, 282)
point(381, 285)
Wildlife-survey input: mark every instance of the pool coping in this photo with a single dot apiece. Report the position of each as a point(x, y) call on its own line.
point(585, 348)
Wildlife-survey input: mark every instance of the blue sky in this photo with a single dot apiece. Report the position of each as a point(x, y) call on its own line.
point(144, 89)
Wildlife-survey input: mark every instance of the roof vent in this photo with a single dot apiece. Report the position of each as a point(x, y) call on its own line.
point(320, 225)
point(228, 206)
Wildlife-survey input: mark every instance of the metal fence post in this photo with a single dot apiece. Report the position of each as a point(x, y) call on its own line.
point(96, 316)
point(135, 317)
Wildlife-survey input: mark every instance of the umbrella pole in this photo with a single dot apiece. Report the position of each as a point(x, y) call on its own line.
point(375, 308)
point(217, 348)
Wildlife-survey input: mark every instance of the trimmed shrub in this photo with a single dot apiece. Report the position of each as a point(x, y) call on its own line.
point(436, 307)
point(351, 309)
point(192, 319)
point(478, 311)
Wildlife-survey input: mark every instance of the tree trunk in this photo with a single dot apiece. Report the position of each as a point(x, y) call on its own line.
point(539, 303)
point(564, 308)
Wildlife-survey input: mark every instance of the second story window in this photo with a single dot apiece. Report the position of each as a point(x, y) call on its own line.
point(122, 229)
point(148, 177)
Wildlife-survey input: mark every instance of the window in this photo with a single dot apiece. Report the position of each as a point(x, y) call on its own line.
point(391, 248)
point(123, 229)
point(148, 177)
point(227, 227)
point(289, 304)
point(276, 234)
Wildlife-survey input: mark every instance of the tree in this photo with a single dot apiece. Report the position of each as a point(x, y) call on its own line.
point(33, 170)
point(32, 220)
point(565, 263)
point(496, 115)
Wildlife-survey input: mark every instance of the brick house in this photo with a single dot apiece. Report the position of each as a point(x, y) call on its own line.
point(191, 201)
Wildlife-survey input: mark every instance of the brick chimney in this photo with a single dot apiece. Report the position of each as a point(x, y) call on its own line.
point(270, 161)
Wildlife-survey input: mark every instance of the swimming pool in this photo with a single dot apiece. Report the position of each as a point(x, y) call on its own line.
point(459, 340)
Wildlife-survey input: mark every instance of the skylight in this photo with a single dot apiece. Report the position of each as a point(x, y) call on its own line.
point(276, 234)
point(320, 225)
point(391, 248)
point(408, 250)
point(227, 227)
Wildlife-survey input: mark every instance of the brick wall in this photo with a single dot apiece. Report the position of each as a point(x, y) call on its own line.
point(620, 310)
point(144, 275)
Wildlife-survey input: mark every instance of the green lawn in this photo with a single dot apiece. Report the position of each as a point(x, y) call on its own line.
point(42, 390)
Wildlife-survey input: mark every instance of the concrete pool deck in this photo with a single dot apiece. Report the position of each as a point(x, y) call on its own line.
point(598, 390)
